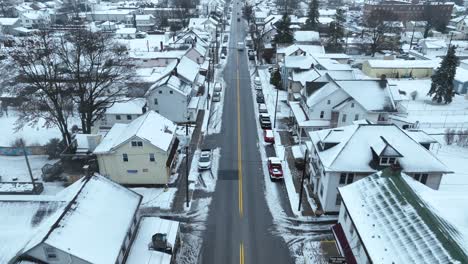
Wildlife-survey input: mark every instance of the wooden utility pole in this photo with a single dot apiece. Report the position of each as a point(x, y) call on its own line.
point(29, 166)
point(302, 181)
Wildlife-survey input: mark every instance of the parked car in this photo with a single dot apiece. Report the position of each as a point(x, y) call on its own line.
point(268, 136)
point(275, 169)
point(265, 122)
point(272, 69)
point(218, 87)
point(260, 93)
point(251, 54)
point(260, 99)
point(262, 108)
point(216, 97)
point(204, 161)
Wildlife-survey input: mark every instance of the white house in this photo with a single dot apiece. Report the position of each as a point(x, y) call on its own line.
point(123, 112)
point(139, 153)
point(304, 37)
point(126, 33)
point(197, 54)
point(175, 95)
point(389, 217)
point(344, 155)
point(35, 19)
point(92, 221)
point(298, 50)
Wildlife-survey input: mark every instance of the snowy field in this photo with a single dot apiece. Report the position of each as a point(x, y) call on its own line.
point(15, 167)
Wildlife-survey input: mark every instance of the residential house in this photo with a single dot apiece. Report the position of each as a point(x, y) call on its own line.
point(303, 37)
point(190, 37)
point(294, 64)
point(389, 217)
point(197, 54)
point(7, 25)
point(151, 59)
point(433, 47)
point(142, 22)
point(92, 221)
point(347, 154)
point(139, 153)
point(460, 83)
point(35, 19)
point(174, 95)
point(399, 68)
point(460, 24)
point(298, 50)
point(126, 33)
point(122, 112)
point(113, 15)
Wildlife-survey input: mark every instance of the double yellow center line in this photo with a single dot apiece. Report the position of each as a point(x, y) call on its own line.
point(239, 144)
point(241, 253)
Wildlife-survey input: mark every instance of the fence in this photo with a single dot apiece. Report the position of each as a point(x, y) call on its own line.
point(437, 112)
point(443, 125)
point(17, 151)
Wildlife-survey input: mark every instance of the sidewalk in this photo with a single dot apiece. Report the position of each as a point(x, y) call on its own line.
point(180, 196)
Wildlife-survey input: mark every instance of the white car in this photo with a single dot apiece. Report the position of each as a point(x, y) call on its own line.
point(204, 161)
point(240, 45)
point(218, 87)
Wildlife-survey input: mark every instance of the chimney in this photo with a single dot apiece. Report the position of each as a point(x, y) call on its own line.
point(174, 72)
point(161, 46)
point(195, 39)
point(383, 81)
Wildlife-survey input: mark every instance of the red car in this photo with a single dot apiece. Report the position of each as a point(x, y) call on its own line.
point(268, 136)
point(275, 169)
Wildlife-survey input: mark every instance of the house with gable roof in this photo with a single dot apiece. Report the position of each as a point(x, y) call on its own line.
point(94, 220)
point(189, 38)
point(347, 154)
point(174, 94)
point(139, 153)
point(388, 217)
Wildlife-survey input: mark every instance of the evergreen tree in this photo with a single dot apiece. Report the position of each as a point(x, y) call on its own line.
point(442, 80)
point(336, 32)
point(312, 16)
point(285, 34)
point(275, 78)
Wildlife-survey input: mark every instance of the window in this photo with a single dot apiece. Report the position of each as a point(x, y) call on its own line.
point(155, 101)
point(321, 190)
point(117, 117)
point(352, 105)
point(171, 92)
point(338, 199)
point(129, 117)
point(328, 102)
point(50, 252)
point(343, 178)
point(160, 92)
point(391, 160)
point(140, 143)
point(134, 144)
point(383, 161)
point(125, 157)
point(151, 157)
point(356, 117)
point(343, 118)
point(350, 178)
point(421, 177)
point(322, 113)
point(346, 178)
point(351, 229)
point(345, 216)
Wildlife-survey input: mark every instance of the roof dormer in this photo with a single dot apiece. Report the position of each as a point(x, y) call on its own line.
point(386, 154)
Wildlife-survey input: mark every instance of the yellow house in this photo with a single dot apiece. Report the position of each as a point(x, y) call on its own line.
point(399, 68)
point(139, 153)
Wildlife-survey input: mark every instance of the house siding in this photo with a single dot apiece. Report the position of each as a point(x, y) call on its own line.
point(335, 98)
point(351, 112)
point(113, 166)
point(392, 72)
point(353, 239)
point(172, 106)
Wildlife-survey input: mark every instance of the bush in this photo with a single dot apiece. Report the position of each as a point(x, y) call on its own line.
point(413, 95)
point(17, 143)
point(54, 147)
point(462, 138)
point(449, 136)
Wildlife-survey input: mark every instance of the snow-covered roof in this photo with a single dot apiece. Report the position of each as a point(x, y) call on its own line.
point(339, 74)
point(322, 93)
point(327, 12)
point(188, 69)
point(461, 75)
point(353, 149)
point(305, 76)
point(130, 106)
point(306, 36)
point(8, 21)
point(152, 127)
point(299, 62)
point(406, 64)
point(333, 65)
point(400, 220)
point(140, 253)
point(96, 226)
point(126, 31)
point(369, 94)
point(308, 49)
point(89, 219)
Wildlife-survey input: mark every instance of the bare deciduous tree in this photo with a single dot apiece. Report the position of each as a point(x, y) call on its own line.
point(46, 95)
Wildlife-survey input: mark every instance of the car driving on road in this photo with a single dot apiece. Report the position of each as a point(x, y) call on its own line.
point(204, 161)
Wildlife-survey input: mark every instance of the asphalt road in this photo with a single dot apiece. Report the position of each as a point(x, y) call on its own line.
point(239, 224)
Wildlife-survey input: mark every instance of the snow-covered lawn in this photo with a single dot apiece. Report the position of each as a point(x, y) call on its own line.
point(455, 158)
point(157, 197)
point(15, 167)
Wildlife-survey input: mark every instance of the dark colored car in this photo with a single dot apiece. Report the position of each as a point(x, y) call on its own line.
point(265, 122)
point(260, 98)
